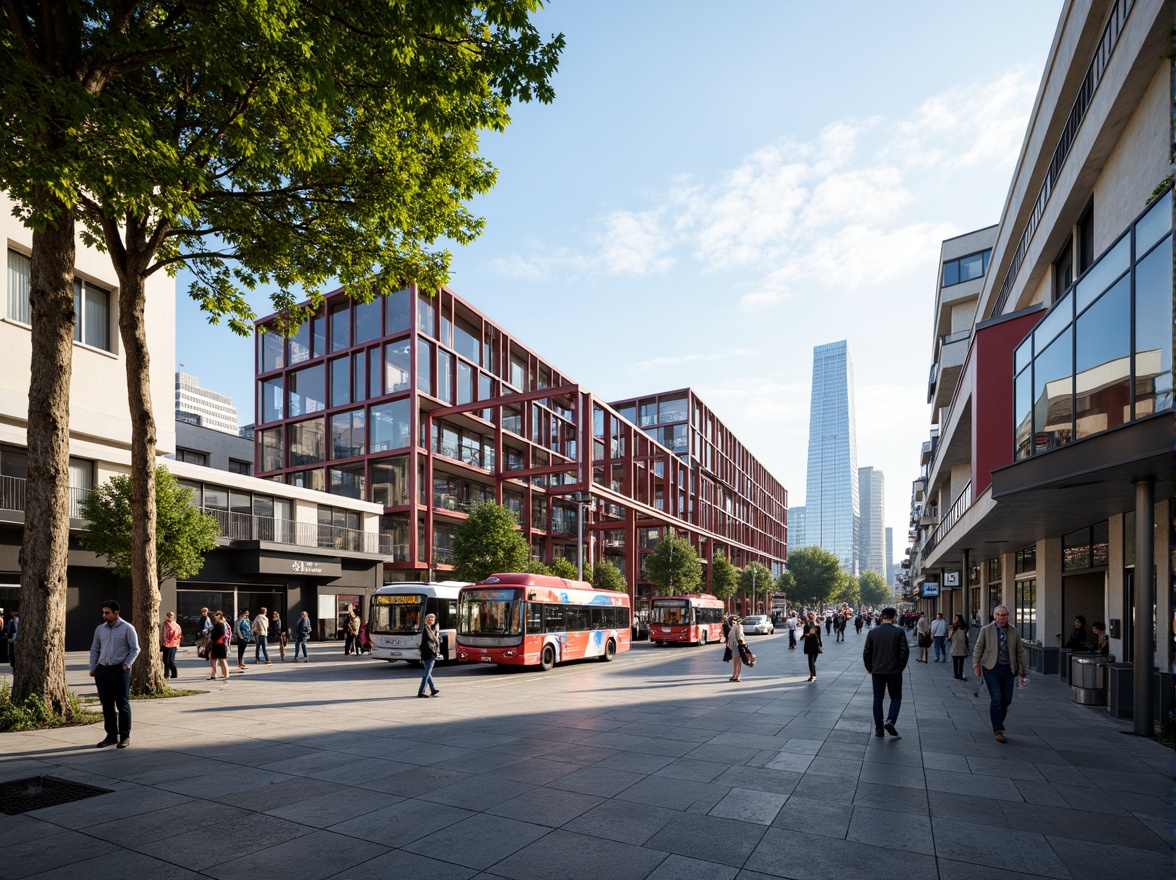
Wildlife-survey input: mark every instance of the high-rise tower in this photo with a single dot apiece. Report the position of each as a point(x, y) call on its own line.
point(831, 501)
point(872, 534)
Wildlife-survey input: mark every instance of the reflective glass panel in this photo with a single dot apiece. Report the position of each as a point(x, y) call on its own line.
point(367, 321)
point(271, 350)
point(299, 344)
point(307, 391)
point(340, 325)
point(1053, 390)
point(1051, 325)
point(390, 481)
point(1154, 225)
point(347, 480)
point(445, 376)
point(424, 376)
point(391, 425)
point(398, 312)
point(1103, 362)
point(427, 314)
point(397, 366)
point(308, 442)
point(465, 382)
point(1103, 273)
point(271, 409)
point(1153, 332)
point(340, 381)
point(347, 434)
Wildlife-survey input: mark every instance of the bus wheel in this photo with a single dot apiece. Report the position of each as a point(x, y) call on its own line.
point(548, 658)
point(704, 638)
point(610, 650)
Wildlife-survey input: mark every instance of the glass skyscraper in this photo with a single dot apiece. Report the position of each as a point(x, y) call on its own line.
point(872, 531)
point(832, 518)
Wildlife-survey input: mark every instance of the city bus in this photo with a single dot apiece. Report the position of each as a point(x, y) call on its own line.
point(398, 613)
point(537, 620)
point(694, 619)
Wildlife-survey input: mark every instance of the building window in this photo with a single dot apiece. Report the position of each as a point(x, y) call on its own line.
point(397, 367)
point(367, 321)
point(271, 449)
point(92, 305)
point(398, 312)
point(236, 466)
point(424, 376)
point(966, 268)
point(347, 434)
point(1025, 562)
point(391, 425)
point(390, 481)
point(307, 391)
point(191, 456)
point(340, 381)
point(18, 288)
point(270, 349)
point(1026, 602)
point(347, 480)
point(270, 400)
point(308, 442)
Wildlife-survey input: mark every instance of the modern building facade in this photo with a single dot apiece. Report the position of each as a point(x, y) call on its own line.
point(279, 545)
point(890, 564)
point(204, 408)
point(872, 531)
point(1047, 484)
point(832, 512)
point(796, 516)
point(424, 406)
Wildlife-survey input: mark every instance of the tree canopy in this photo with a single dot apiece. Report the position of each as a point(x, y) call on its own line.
point(874, 589)
point(724, 577)
point(488, 542)
point(674, 567)
point(564, 568)
point(816, 576)
point(606, 576)
point(756, 580)
point(183, 533)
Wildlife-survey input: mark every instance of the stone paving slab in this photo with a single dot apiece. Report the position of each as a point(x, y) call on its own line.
point(652, 766)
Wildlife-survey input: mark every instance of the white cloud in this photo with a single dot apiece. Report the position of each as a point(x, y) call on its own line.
point(678, 360)
point(842, 211)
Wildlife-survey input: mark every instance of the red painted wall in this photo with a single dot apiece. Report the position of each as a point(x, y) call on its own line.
point(992, 395)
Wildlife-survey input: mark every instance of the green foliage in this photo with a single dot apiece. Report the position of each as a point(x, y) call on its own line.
point(606, 576)
point(183, 533)
point(874, 589)
point(724, 578)
point(847, 591)
point(488, 542)
point(786, 583)
point(31, 713)
point(280, 144)
point(564, 568)
point(816, 575)
point(755, 580)
point(674, 567)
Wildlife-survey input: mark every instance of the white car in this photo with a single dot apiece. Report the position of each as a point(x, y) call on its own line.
point(758, 624)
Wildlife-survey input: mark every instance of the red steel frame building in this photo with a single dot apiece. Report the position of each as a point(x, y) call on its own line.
point(423, 404)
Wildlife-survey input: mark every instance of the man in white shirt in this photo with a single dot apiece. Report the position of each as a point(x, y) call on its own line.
point(261, 635)
point(791, 624)
point(114, 649)
point(938, 637)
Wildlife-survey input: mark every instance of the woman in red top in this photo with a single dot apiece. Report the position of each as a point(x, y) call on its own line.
point(171, 641)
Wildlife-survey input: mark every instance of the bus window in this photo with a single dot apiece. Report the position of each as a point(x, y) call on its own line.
point(597, 615)
point(577, 617)
point(534, 617)
point(553, 618)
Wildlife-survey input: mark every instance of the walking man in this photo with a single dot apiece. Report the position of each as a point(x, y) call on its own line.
point(115, 647)
point(885, 655)
point(938, 637)
point(790, 623)
point(998, 653)
point(430, 651)
point(260, 636)
point(301, 634)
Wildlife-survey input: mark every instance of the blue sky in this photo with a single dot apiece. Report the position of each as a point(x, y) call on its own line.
point(717, 188)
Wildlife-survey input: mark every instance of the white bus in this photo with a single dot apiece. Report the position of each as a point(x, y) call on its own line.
point(398, 613)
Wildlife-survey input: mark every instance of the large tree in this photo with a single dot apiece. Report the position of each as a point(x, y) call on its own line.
point(724, 577)
point(488, 542)
point(606, 576)
point(674, 567)
point(282, 144)
point(183, 534)
point(754, 580)
point(874, 589)
point(816, 575)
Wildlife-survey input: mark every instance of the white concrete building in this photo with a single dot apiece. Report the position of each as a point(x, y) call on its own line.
point(204, 408)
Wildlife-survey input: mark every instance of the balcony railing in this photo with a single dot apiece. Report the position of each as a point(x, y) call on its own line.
point(963, 502)
point(251, 527)
point(12, 496)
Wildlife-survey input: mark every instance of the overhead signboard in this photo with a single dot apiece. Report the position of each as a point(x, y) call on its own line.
point(951, 579)
point(929, 590)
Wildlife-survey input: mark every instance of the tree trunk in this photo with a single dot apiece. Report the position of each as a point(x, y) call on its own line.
point(40, 645)
point(147, 672)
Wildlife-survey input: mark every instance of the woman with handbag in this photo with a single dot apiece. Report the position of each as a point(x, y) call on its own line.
point(734, 642)
point(218, 646)
point(923, 631)
point(812, 644)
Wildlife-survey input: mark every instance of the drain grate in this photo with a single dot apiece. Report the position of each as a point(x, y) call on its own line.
point(38, 792)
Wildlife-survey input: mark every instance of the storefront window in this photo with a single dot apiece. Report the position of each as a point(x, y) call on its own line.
point(1026, 610)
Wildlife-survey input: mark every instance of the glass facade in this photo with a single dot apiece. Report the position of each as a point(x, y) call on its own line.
point(1102, 356)
point(832, 511)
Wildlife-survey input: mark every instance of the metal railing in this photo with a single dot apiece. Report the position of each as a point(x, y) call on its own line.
point(12, 496)
point(963, 502)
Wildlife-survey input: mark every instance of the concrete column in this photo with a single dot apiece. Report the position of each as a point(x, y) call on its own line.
point(1049, 592)
point(965, 588)
point(1145, 600)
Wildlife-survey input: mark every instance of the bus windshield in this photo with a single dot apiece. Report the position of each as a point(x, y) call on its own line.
point(670, 612)
point(490, 613)
point(397, 615)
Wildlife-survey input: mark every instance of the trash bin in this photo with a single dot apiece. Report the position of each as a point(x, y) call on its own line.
point(1088, 680)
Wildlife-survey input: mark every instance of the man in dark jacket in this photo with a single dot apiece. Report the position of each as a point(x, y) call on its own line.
point(885, 655)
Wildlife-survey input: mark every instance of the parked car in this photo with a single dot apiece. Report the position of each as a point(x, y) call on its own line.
point(758, 624)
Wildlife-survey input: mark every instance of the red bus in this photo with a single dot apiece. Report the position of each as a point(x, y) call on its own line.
point(694, 619)
point(537, 620)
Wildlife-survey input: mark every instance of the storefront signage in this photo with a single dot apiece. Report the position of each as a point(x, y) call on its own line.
point(951, 578)
point(929, 590)
point(261, 562)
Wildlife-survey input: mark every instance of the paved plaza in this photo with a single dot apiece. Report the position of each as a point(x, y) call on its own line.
point(653, 766)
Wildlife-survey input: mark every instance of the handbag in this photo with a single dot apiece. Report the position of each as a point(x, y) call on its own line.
point(746, 656)
point(727, 654)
